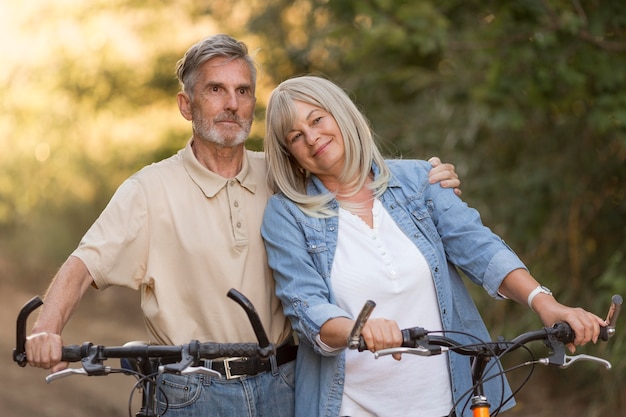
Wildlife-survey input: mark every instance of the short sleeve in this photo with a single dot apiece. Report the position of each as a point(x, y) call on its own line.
point(115, 248)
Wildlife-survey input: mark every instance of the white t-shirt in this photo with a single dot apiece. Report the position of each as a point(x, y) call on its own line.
point(383, 265)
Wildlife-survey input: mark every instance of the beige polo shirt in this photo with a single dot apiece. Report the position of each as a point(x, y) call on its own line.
point(184, 236)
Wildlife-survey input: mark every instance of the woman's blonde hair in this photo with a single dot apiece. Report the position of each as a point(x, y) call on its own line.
point(360, 150)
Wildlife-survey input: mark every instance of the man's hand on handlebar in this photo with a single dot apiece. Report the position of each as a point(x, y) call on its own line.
point(43, 350)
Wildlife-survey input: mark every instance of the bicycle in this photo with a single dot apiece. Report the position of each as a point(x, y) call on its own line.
point(422, 342)
point(145, 361)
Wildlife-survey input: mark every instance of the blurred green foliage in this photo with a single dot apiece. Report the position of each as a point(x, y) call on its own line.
point(526, 98)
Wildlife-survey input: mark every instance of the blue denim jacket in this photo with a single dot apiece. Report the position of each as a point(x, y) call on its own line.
point(300, 251)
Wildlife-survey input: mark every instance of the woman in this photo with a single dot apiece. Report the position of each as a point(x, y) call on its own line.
point(348, 226)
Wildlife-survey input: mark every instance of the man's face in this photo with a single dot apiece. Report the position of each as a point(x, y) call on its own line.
point(222, 105)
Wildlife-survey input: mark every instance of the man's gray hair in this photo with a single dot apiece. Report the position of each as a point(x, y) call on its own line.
point(211, 47)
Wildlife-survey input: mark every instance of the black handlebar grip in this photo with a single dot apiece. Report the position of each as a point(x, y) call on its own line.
point(609, 330)
point(410, 337)
point(565, 334)
point(212, 350)
point(604, 333)
point(406, 338)
point(72, 353)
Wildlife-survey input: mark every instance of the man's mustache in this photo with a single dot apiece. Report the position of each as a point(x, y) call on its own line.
point(225, 117)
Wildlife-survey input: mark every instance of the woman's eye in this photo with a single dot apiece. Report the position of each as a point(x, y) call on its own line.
point(317, 120)
point(295, 137)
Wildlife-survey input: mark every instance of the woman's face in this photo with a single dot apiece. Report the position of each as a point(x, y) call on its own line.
point(315, 141)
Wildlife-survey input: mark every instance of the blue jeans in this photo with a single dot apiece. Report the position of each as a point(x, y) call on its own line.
point(268, 394)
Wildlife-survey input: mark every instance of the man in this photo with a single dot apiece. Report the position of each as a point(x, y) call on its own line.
point(184, 231)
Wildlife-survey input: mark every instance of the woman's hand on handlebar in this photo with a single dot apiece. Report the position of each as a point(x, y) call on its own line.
point(377, 333)
point(586, 325)
point(43, 350)
point(518, 284)
point(380, 333)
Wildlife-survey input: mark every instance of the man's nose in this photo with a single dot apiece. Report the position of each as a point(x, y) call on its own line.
point(232, 101)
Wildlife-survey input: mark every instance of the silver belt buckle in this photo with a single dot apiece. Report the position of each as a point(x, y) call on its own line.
point(227, 362)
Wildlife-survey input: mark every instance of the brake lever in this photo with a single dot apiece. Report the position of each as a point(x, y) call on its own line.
point(569, 360)
point(72, 371)
point(419, 350)
point(194, 370)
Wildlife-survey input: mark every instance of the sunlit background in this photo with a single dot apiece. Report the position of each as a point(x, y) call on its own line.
point(526, 98)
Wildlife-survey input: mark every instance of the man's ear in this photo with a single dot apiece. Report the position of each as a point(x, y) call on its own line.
point(184, 105)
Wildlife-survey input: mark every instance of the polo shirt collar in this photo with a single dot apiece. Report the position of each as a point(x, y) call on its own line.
point(211, 183)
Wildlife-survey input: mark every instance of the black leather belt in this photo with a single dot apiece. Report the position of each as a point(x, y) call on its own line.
point(237, 367)
point(249, 366)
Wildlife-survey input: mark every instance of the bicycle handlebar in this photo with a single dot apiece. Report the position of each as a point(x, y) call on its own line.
point(194, 349)
point(422, 342)
point(92, 355)
point(19, 353)
point(419, 341)
point(146, 362)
